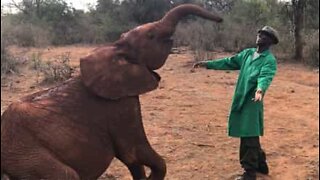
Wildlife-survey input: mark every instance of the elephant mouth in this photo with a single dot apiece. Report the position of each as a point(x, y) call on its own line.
point(155, 75)
point(168, 40)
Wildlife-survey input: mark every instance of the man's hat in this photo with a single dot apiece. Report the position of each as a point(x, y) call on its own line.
point(271, 33)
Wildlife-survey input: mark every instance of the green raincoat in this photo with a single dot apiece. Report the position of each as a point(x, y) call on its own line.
point(246, 116)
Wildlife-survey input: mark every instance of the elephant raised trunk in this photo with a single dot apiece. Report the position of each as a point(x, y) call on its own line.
point(172, 18)
point(126, 67)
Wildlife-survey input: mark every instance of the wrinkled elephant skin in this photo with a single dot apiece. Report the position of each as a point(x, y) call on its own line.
point(74, 130)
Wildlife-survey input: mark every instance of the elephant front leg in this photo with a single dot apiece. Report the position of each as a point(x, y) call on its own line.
point(154, 161)
point(137, 171)
point(143, 155)
point(135, 167)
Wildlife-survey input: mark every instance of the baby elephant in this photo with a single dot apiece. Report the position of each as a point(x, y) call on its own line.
point(74, 130)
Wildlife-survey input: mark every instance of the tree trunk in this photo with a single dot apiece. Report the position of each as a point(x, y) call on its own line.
point(38, 3)
point(298, 11)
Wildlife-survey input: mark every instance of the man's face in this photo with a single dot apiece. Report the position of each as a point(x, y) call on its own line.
point(263, 39)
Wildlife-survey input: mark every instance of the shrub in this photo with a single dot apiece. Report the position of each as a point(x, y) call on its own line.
point(205, 35)
point(197, 34)
point(200, 55)
point(30, 35)
point(23, 35)
point(57, 70)
point(36, 61)
point(53, 71)
point(311, 50)
point(8, 62)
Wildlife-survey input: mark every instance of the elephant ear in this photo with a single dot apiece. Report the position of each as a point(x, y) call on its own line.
point(112, 77)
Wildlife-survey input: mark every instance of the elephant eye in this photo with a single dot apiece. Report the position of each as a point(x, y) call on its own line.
point(150, 35)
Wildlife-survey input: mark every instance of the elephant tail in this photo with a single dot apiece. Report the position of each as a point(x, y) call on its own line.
point(4, 176)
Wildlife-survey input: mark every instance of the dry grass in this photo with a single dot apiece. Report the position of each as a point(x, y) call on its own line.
point(55, 70)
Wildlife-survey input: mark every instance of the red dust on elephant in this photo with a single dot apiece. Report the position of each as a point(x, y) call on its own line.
point(74, 130)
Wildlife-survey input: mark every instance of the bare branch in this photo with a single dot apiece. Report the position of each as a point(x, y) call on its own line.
point(19, 7)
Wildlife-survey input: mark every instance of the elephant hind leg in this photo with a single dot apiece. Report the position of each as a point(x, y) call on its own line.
point(56, 170)
point(42, 165)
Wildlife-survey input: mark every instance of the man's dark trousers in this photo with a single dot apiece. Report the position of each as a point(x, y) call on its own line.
point(252, 157)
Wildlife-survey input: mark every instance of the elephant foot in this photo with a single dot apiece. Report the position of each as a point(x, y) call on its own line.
point(144, 156)
point(137, 172)
point(156, 164)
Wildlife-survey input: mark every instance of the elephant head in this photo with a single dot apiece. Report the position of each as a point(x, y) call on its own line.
point(126, 67)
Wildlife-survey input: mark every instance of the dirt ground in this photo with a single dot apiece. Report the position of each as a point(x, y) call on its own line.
point(186, 117)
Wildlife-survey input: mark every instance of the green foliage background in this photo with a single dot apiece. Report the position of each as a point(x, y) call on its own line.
point(54, 22)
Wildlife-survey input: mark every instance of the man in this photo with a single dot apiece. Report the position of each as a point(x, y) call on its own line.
point(257, 68)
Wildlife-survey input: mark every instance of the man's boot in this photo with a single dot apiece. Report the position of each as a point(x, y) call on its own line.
point(263, 166)
point(248, 175)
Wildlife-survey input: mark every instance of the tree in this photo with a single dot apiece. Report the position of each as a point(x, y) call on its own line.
point(298, 18)
point(311, 19)
point(143, 11)
point(221, 5)
point(52, 21)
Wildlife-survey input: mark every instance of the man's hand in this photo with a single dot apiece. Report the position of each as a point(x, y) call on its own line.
point(200, 64)
point(258, 95)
